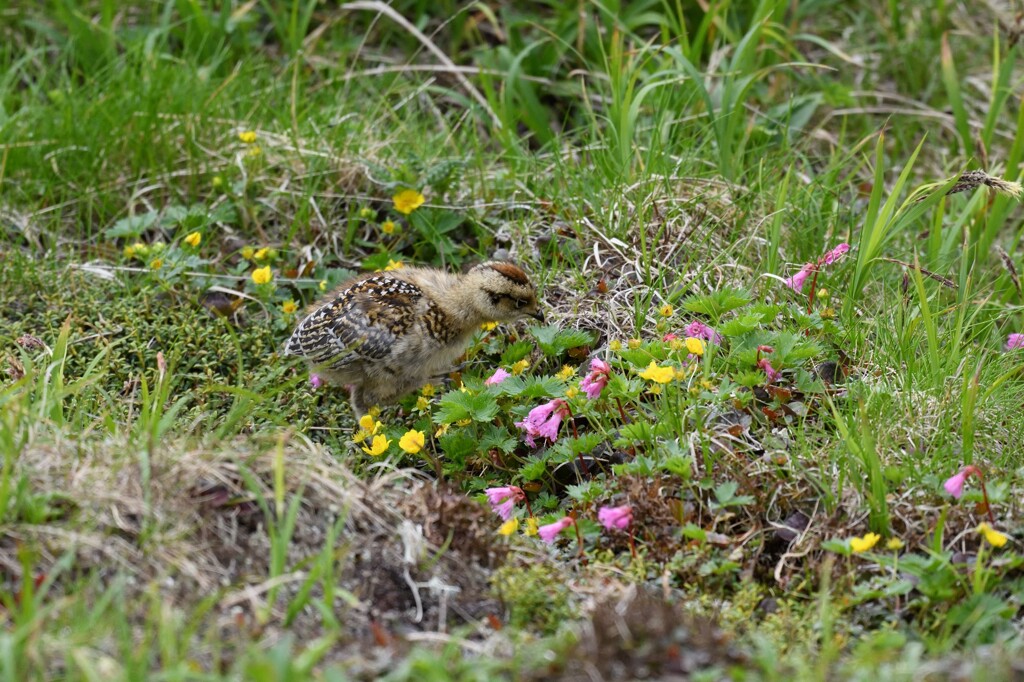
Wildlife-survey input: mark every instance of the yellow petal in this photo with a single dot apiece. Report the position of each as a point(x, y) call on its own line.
point(992, 536)
point(531, 526)
point(411, 442)
point(661, 375)
point(695, 346)
point(194, 239)
point(509, 527)
point(894, 544)
point(407, 201)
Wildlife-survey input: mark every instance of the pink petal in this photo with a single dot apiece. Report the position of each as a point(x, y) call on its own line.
point(954, 485)
point(1015, 341)
point(315, 381)
point(772, 373)
point(835, 254)
point(796, 282)
point(499, 376)
point(699, 330)
point(615, 517)
point(599, 365)
point(669, 337)
point(549, 532)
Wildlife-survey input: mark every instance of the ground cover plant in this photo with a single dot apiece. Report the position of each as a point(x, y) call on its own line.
point(771, 425)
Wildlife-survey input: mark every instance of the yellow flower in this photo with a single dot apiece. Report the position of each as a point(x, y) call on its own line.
point(992, 536)
point(655, 389)
point(194, 239)
point(247, 136)
point(464, 422)
point(262, 275)
point(865, 543)
point(388, 227)
point(894, 544)
point(566, 372)
point(428, 390)
point(521, 366)
point(411, 442)
point(489, 326)
point(572, 392)
point(509, 527)
point(633, 344)
point(441, 430)
point(615, 345)
point(675, 344)
point(531, 526)
point(289, 307)
point(262, 253)
point(827, 313)
point(394, 265)
point(422, 404)
point(407, 201)
point(129, 252)
point(695, 346)
point(254, 151)
point(666, 310)
point(156, 263)
point(661, 375)
point(247, 252)
point(323, 285)
point(373, 412)
point(683, 373)
point(378, 447)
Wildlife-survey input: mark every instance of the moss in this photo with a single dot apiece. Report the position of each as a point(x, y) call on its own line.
point(215, 363)
point(536, 597)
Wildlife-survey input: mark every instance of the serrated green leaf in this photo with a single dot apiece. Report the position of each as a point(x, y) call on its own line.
point(534, 469)
point(541, 387)
point(716, 304)
point(132, 226)
point(740, 325)
point(516, 352)
point(458, 405)
point(554, 341)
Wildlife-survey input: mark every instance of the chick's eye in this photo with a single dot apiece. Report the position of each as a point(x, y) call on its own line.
point(521, 302)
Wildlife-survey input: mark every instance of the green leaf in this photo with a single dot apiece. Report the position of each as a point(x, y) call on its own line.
point(516, 352)
point(726, 496)
point(554, 341)
point(132, 226)
point(534, 469)
point(716, 304)
point(585, 492)
point(458, 405)
point(458, 445)
point(694, 532)
point(496, 437)
point(541, 387)
point(740, 325)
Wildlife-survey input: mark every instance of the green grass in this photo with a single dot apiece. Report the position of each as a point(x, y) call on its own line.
point(176, 501)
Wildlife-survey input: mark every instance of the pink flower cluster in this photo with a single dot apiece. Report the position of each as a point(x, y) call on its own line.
point(594, 383)
point(699, 330)
point(796, 282)
point(1015, 341)
point(615, 517)
point(770, 372)
point(543, 421)
point(503, 500)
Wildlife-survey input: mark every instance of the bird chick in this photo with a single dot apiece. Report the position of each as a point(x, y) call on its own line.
point(385, 334)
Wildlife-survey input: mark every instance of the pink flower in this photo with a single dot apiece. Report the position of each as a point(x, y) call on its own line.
point(499, 376)
point(669, 337)
point(503, 500)
point(315, 381)
point(796, 282)
point(1015, 341)
point(954, 485)
point(544, 421)
point(594, 383)
point(835, 254)
point(549, 532)
point(699, 330)
point(772, 373)
point(615, 517)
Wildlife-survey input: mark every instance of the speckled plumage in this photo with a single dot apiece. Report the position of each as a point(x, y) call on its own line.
point(385, 334)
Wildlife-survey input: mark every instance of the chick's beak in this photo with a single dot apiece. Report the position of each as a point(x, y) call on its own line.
point(539, 316)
